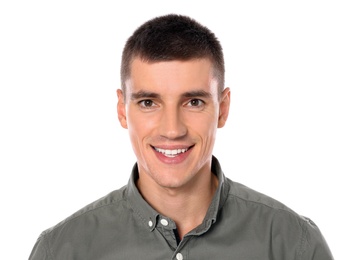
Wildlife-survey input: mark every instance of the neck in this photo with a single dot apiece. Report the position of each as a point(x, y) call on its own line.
point(187, 206)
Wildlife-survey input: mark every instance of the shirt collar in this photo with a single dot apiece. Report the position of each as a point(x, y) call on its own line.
point(142, 209)
point(149, 216)
point(218, 199)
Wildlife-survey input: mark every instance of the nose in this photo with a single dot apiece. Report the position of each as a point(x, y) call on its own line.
point(172, 125)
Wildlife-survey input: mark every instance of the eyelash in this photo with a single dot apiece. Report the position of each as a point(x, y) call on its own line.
point(200, 102)
point(142, 103)
point(149, 104)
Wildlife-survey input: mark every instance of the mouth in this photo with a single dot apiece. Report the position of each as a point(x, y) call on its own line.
point(171, 153)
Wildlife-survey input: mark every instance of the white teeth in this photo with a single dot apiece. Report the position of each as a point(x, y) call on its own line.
point(170, 153)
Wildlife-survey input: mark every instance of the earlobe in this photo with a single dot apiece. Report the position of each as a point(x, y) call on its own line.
point(224, 107)
point(121, 109)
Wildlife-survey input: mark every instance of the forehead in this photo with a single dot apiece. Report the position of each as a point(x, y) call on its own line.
point(171, 76)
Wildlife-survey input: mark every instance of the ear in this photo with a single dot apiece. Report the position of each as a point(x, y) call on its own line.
point(224, 107)
point(121, 108)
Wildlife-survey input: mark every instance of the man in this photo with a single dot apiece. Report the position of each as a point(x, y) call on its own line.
point(178, 204)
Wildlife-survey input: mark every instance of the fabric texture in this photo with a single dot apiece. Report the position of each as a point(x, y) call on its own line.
point(240, 224)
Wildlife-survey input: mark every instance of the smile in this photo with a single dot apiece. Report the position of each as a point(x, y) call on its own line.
point(171, 153)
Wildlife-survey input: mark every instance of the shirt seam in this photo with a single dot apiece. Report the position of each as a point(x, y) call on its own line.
point(303, 240)
point(73, 217)
point(283, 208)
point(301, 223)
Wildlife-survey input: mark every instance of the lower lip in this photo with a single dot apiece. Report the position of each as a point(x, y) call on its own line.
point(173, 160)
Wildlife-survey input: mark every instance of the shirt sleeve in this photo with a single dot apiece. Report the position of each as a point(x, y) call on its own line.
point(39, 251)
point(314, 246)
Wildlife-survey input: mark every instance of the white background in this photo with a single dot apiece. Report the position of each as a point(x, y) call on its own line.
point(289, 65)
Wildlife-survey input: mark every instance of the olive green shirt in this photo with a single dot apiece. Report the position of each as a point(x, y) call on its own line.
point(240, 224)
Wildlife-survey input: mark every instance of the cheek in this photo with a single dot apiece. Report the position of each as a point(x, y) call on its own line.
point(140, 126)
point(205, 133)
point(204, 124)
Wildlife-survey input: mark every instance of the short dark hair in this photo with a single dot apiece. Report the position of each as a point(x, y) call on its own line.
point(172, 37)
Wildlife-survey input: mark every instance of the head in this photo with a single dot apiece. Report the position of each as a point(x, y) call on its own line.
point(173, 100)
point(173, 37)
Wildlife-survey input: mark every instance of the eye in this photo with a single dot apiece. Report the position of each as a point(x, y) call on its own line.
point(147, 103)
point(195, 103)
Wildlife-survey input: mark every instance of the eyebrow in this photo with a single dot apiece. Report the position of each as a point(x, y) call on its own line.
point(190, 94)
point(197, 93)
point(144, 94)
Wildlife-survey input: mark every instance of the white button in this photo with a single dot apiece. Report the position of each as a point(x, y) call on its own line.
point(150, 223)
point(179, 256)
point(164, 222)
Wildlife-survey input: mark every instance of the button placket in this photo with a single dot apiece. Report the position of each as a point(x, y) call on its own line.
point(166, 228)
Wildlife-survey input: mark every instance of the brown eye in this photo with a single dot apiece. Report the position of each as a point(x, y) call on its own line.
point(196, 102)
point(146, 103)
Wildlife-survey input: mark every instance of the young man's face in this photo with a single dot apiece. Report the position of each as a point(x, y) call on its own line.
point(172, 111)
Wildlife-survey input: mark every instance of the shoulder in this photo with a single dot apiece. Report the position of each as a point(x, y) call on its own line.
point(268, 215)
point(97, 220)
point(247, 195)
point(112, 201)
point(264, 211)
